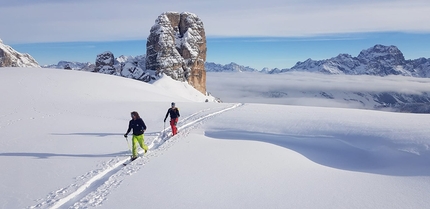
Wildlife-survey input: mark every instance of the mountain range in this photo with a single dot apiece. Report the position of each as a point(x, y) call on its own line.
point(69, 65)
point(378, 60)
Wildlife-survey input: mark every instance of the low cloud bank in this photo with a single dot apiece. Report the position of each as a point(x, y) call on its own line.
point(302, 88)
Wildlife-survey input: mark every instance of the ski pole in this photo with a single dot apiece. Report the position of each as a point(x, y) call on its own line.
point(164, 129)
point(128, 144)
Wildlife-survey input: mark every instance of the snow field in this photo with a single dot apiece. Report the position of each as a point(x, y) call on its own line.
point(61, 146)
point(100, 185)
point(63, 127)
point(307, 157)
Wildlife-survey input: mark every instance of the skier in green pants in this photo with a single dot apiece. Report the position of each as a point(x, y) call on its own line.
point(139, 127)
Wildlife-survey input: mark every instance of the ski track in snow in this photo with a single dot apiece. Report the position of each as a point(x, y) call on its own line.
point(92, 188)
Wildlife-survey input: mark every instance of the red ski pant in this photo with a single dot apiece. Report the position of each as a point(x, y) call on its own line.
point(173, 123)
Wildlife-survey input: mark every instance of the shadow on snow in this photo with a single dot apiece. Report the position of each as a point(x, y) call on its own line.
point(366, 154)
point(50, 155)
point(102, 134)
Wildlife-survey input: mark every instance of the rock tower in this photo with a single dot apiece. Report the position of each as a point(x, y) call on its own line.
point(176, 46)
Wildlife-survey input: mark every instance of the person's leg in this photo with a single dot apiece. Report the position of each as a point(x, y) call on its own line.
point(175, 122)
point(172, 124)
point(134, 145)
point(141, 141)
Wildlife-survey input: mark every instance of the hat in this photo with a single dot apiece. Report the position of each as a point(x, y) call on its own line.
point(173, 104)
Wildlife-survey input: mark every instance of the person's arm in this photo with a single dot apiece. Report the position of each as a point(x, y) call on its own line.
point(167, 114)
point(143, 126)
point(128, 130)
point(177, 111)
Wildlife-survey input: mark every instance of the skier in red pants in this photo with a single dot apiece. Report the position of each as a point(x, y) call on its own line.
point(174, 116)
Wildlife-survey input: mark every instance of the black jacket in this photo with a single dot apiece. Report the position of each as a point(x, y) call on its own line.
point(174, 113)
point(137, 125)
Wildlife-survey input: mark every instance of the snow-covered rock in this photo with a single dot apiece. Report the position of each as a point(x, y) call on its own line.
point(125, 66)
point(133, 67)
point(176, 46)
point(132, 70)
point(105, 62)
point(11, 58)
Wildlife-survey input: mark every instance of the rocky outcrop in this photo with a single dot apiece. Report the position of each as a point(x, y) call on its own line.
point(105, 62)
point(133, 67)
point(176, 46)
point(125, 66)
point(11, 58)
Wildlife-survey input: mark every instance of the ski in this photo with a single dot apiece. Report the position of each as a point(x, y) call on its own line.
point(130, 160)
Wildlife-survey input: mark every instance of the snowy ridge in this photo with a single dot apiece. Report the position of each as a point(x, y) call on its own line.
point(177, 88)
point(11, 58)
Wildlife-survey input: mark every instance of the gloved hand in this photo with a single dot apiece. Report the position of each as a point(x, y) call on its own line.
point(164, 119)
point(125, 135)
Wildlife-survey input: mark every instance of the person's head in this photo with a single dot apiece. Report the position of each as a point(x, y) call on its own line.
point(135, 115)
point(173, 104)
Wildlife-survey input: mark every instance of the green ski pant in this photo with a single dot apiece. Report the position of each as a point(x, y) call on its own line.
point(135, 141)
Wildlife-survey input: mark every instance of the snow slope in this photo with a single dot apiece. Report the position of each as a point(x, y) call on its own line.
point(181, 88)
point(61, 146)
point(56, 126)
point(273, 156)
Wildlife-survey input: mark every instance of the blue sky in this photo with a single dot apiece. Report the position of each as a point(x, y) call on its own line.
point(269, 33)
point(256, 52)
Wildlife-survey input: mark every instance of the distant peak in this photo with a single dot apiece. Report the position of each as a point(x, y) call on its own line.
point(379, 48)
point(381, 51)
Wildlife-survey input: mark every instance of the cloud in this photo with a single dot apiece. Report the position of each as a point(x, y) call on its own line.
point(97, 20)
point(303, 81)
point(302, 88)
